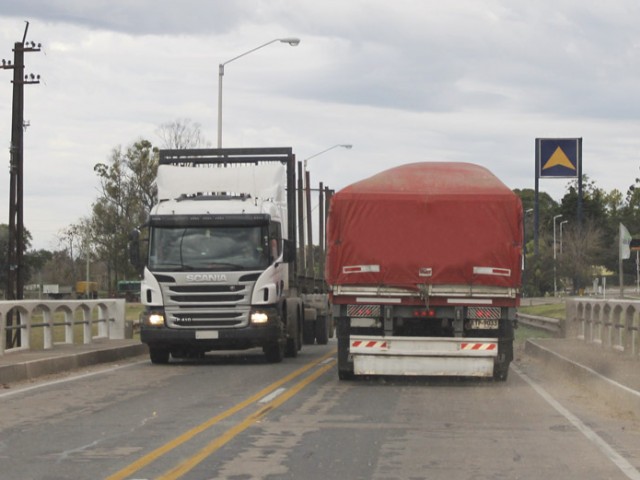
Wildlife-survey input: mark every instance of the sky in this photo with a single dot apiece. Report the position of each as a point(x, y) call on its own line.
point(405, 81)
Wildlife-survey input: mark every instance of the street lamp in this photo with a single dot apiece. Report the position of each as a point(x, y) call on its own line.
point(291, 41)
point(555, 286)
point(305, 203)
point(343, 145)
point(561, 224)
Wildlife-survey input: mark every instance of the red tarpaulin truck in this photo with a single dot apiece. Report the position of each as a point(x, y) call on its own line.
point(424, 266)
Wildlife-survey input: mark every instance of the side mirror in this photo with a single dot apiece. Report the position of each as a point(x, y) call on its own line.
point(288, 252)
point(134, 249)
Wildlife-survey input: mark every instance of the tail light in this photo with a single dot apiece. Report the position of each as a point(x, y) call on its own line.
point(424, 313)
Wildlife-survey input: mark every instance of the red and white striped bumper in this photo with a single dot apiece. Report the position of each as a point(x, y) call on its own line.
point(429, 356)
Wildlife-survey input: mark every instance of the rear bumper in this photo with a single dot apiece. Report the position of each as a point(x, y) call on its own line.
point(428, 356)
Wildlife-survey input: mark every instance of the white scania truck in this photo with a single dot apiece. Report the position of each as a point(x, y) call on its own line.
point(220, 269)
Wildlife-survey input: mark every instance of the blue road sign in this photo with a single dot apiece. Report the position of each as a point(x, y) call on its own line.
point(558, 157)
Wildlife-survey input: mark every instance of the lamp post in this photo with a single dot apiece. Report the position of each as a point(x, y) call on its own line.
point(343, 145)
point(307, 186)
point(304, 216)
point(561, 224)
point(291, 41)
point(555, 286)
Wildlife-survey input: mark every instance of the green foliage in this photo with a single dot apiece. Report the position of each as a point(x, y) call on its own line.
point(594, 241)
point(127, 192)
point(551, 310)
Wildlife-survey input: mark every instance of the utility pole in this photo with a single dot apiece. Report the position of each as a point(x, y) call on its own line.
point(15, 266)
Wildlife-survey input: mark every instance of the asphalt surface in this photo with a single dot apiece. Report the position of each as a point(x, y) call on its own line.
point(606, 369)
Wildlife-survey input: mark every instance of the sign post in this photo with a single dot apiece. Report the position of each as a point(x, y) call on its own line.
point(557, 158)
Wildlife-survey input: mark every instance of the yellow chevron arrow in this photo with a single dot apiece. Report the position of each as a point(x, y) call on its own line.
point(559, 158)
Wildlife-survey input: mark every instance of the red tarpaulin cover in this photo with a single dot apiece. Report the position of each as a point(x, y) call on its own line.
point(429, 223)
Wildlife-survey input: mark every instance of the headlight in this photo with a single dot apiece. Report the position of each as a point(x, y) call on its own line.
point(259, 318)
point(155, 319)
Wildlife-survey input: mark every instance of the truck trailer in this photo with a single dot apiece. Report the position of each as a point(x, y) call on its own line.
point(220, 265)
point(424, 266)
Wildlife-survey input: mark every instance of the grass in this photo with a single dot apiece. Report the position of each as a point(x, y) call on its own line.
point(552, 310)
point(524, 332)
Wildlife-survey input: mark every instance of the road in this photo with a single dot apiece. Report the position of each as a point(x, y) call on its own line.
point(235, 417)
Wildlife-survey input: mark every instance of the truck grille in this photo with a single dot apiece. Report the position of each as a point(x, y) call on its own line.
point(193, 305)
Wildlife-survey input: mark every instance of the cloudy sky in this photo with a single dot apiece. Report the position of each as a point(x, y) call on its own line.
point(403, 81)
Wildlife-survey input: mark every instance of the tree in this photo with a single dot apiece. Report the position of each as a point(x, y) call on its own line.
point(181, 134)
point(582, 248)
point(538, 271)
point(141, 160)
point(126, 195)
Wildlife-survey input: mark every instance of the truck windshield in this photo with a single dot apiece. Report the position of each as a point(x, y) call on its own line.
point(208, 248)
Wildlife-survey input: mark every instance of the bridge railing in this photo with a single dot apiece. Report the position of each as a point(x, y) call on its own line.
point(104, 316)
point(609, 323)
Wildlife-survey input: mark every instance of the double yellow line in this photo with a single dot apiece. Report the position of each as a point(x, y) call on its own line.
point(227, 436)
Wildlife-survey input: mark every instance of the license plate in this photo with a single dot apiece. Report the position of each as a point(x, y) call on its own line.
point(484, 324)
point(206, 334)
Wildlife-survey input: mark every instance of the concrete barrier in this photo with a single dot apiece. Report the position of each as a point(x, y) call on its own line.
point(548, 324)
point(609, 323)
point(26, 314)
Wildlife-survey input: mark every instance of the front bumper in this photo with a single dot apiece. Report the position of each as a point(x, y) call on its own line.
point(203, 340)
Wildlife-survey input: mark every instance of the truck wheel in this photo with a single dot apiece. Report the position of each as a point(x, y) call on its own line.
point(345, 375)
point(293, 341)
point(274, 352)
point(500, 372)
point(159, 356)
point(309, 333)
point(322, 330)
point(309, 326)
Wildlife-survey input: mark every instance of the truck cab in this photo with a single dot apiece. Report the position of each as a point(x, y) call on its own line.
point(215, 276)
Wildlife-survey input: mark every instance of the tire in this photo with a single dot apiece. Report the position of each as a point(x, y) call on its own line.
point(309, 326)
point(500, 372)
point(274, 352)
point(322, 330)
point(309, 333)
point(293, 341)
point(293, 329)
point(159, 356)
point(345, 375)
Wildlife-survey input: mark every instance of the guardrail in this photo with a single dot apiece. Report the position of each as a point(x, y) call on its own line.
point(548, 324)
point(28, 314)
point(609, 323)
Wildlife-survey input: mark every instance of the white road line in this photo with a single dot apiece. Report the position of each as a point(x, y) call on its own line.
point(626, 468)
point(272, 395)
point(68, 379)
